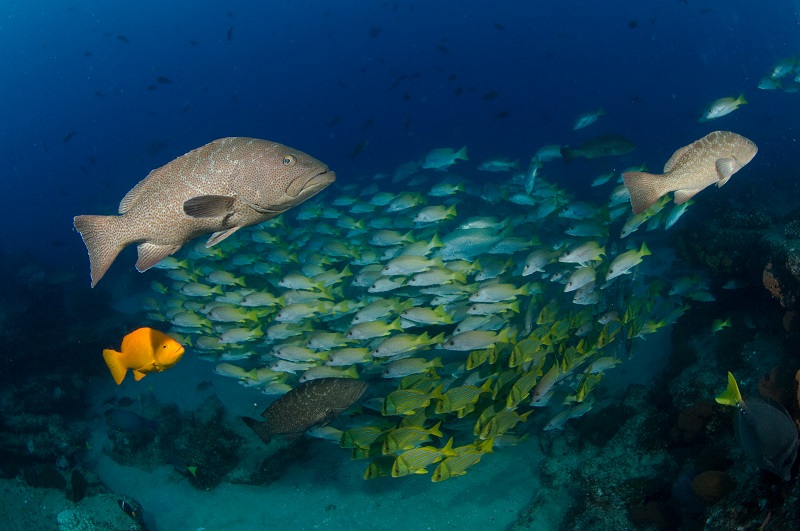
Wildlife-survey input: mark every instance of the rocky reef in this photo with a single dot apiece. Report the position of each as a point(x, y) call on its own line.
point(665, 456)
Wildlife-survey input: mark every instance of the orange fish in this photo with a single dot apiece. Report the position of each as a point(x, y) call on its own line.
point(144, 351)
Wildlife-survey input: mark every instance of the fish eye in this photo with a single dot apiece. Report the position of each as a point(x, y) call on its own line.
point(451, 342)
point(289, 160)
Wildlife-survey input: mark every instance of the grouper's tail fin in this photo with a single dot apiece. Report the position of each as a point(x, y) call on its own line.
point(260, 428)
point(644, 188)
point(102, 239)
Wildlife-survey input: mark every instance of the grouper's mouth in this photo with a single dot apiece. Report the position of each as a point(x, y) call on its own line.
point(311, 186)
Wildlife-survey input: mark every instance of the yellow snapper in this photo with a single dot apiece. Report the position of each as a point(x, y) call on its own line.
point(499, 293)
point(408, 401)
point(408, 437)
point(406, 366)
point(221, 187)
point(443, 158)
point(416, 460)
point(623, 263)
point(476, 339)
point(722, 107)
point(466, 456)
point(459, 398)
point(404, 343)
point(373, 329)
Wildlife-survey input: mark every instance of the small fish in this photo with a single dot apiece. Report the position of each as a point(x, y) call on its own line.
point(711, 160)
point(358, 148)
point(498, 165)
point(601, 146)
point(466, 456)
point(722, 107)
point(144, 351)
point(164, 80)
point(443, 158)
point(408, 437)
point(719, 324)
point(783, 67)
point(416, 460)
point(406, 366)
point(435, 214)
point(623, 263)
point(313, 403)
point(476, 340)
point(408, 401)
point(588, 118)
point(126, 507)
point(225, 185)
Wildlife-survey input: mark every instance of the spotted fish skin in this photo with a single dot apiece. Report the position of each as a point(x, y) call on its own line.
point(712, 159)
point(313, 403)
point(218, 188)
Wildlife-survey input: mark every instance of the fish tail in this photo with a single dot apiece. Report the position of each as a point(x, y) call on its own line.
point(259, 428)
point(118, 370)
point(462, 154)
point(643, 188)
point(101, 235)
point(731, 395)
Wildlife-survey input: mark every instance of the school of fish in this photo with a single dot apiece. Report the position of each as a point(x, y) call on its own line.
point(475, 310)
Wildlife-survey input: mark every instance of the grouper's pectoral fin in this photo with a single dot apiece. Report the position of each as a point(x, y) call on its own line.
point(220, 235)
point(725, 168)
point(150, 254)
point(208, 206)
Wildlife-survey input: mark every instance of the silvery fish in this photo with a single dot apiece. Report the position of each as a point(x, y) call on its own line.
point(221, 187)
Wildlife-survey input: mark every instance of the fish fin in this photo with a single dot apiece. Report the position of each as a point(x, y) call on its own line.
point(731, 395)
point(644, 189)
point(101, 236)
point(675, 158)
point(150, 254)
point(208, 206)
point(681, 196)
point(117, 369)
point(138, 375)
point(220, 235)
point(725, 168)
point(260, 428)
point(133, 194)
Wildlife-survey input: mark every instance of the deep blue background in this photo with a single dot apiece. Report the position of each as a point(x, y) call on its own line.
point(292, 67)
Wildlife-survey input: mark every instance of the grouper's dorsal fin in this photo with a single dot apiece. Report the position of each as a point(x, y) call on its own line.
point(208, 206)
point(132, 195)
point(675, 158)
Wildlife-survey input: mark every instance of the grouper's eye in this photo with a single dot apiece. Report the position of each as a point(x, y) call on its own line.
point(289, 160)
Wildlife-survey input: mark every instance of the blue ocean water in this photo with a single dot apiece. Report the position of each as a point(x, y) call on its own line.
point(324, 77)
point(94, 95)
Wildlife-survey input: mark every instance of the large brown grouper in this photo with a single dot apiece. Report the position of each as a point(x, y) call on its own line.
point(313, 403)
point(711, 160)
point(221, 187)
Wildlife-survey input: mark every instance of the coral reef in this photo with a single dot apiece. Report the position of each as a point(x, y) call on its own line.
point(792, 230)
point(197, 444)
